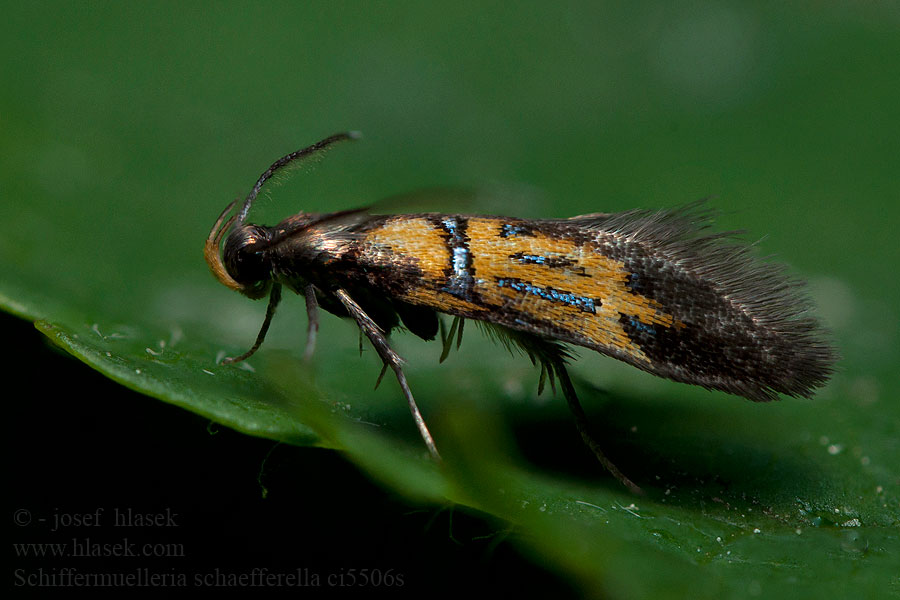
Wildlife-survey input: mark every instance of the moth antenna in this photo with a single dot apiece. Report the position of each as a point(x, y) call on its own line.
point(286, 160)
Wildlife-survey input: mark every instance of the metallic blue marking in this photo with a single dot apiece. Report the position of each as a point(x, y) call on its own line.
point(450, 225)
point(460, 260)
point(510, 230)
point(553, 262)
point(547, 293)
point(634, 282)
point(460, 280)
point(643, 327)
point(534, 259)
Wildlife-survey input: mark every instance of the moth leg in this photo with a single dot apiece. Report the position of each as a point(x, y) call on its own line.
point(581, 422)
point(390, 358)
point(552, 357)
point(447, 340)
point(312, 321)
point(274, 299)
point(384, 367)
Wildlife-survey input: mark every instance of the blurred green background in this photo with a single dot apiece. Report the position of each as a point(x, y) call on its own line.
point(126, 128)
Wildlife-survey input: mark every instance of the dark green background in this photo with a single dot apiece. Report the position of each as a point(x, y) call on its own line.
point(126, 128)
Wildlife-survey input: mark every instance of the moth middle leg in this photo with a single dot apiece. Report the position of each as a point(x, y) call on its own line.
point(391, 359)
point(312, 320)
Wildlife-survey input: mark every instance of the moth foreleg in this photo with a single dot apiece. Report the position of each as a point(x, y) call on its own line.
point(312, 321)
point(390, 358)
point(274, 299)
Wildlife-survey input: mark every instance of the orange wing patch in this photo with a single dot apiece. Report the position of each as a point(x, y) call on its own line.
point(419, 240)
point(416, 238)
point(538, 270)
point(556, 280)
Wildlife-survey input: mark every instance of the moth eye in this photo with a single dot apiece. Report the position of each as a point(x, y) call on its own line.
point(245, 258)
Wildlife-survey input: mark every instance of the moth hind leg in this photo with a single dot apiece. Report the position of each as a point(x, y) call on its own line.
point(581, 422)
point(552, 357)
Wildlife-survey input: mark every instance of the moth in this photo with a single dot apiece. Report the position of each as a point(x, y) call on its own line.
point(653, 289)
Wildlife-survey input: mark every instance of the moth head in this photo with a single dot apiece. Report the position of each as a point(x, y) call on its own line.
point(242, 265)
point(245, 267)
